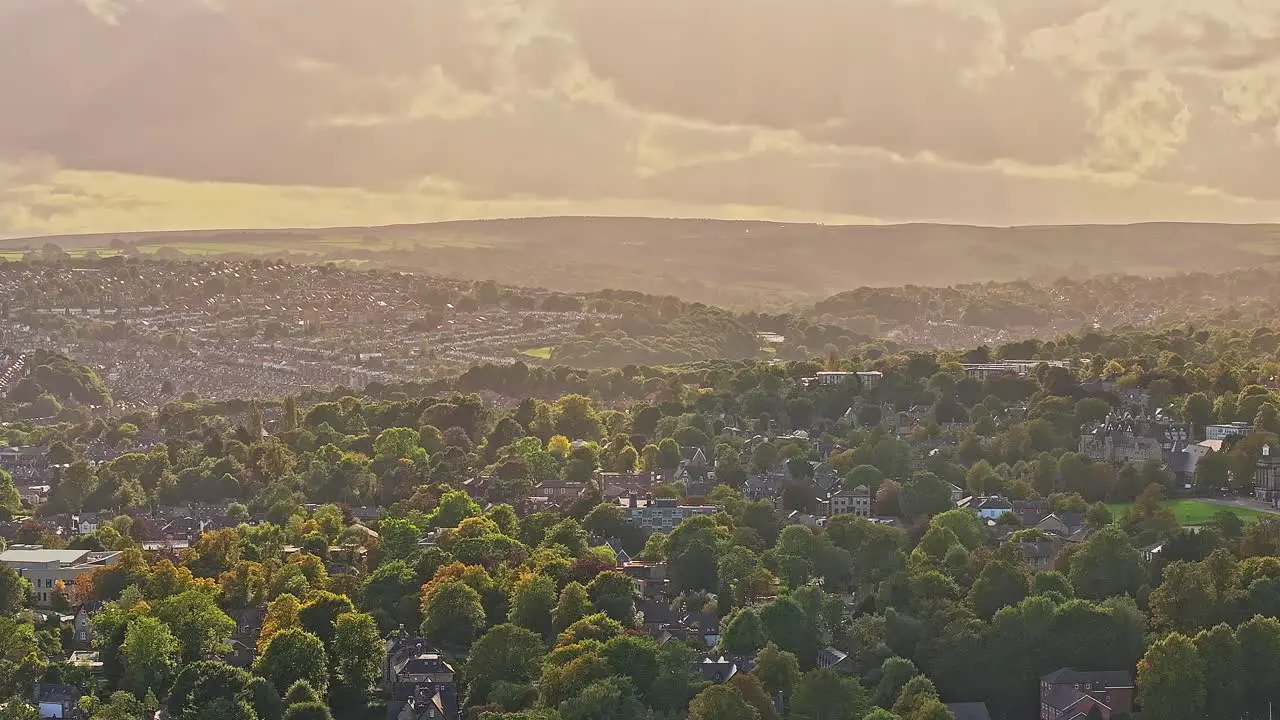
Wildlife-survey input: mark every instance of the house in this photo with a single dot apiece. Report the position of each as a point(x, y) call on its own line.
point(56, 701)
point(1040, 555)
point(47, 570)
point(834, 378)
point(1266, 476)
point(1222, 432)
point(561, 490)
point(1063, 524)
point(871, 379)
point(854, 501)
point(717, 670)
point(969, 711)
point(991, 508)
point(420, 681)
point(662, 514)
point(703, 626)
point(1068, 694)
point(244, 639)
point(694, 472)
point(82, 626)
point(957, 494)
point(829, 657)
point(656, 616)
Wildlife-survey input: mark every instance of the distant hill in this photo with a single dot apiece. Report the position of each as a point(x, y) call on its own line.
point(739, 264)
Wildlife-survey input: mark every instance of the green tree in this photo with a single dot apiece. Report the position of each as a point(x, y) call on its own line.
point(574, 604)
point(294, 655)
point(15, 591)
point(787, 626)
point(197, 621)
point(357, 650)
point(150, 653)
point(778, 670)
point(1106, 565)
point(925, 495)
point(1223, 671)
point(721, 702)
point(533, 600)
point(10, 499)
point(895, 673)
point(308, 711)
point(824, 694)
point(1000, 584)
point(263, 698)
point(742, 632)
point(452, 614)
point(1171, 679)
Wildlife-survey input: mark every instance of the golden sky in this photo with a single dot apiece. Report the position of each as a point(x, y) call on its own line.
point(152, 114)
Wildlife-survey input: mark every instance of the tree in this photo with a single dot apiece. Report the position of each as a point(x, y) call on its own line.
point(606, 698)
point(226, 708)
point(282, 614)
point(694, 568)
point(10, 499)
point(197, 621)
point(1259, 640)
point(925, 495)
point(294, 655)
point(778, 670)
point(319, 615)
point(263, 698)
point(824, 694)
point(1106, 565)
point(1197, 410)
point(150, 654)
point(506, 653)
point(754, 693)
point(895, 673)
point(301, 692)
point(452, 614)
point(721, 702)
point(574, 604)
point(533, 599)
point(15, 591)
point(308, 711)
point(1213, 471)
point(611, 594)
point(743, 632)
point(199, 683)
point(357, 650)
point(787, 626)
point(1171, 679)
point(1223, 671)
point(1000, 584)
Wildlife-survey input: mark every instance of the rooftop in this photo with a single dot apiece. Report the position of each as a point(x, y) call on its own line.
point(42, 555)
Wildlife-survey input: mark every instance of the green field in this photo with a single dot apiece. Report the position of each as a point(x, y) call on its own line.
point(1197, 512)
point(542, 353)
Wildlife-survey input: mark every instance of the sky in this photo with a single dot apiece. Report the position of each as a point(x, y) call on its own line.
point(159, 114)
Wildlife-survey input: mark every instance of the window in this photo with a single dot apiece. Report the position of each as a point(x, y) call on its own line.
point(48, 582)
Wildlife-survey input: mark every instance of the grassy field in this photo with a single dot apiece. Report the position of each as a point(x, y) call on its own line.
point(1197, 512)
point(542, 353)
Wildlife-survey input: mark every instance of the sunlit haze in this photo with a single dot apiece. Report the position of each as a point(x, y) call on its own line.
point(158, 114)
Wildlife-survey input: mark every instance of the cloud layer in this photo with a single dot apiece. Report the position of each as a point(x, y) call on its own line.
point(982, 111)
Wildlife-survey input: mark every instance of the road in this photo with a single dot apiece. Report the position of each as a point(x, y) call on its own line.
point(1242, 503)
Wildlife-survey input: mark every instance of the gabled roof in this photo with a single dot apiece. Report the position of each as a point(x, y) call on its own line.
point(1107, 678)
point(969, 711)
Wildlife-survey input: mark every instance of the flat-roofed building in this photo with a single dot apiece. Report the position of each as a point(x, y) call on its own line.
point(46, 569)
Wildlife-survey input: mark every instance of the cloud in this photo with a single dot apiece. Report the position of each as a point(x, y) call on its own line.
point(989, 111)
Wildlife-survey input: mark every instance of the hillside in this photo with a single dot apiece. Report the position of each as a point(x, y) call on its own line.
point(738, 264)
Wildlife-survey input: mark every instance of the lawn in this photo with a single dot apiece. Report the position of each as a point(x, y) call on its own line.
point(542, 353)
point(1197, 512)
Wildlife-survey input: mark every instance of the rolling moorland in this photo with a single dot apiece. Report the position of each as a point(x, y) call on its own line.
point(734, 264)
